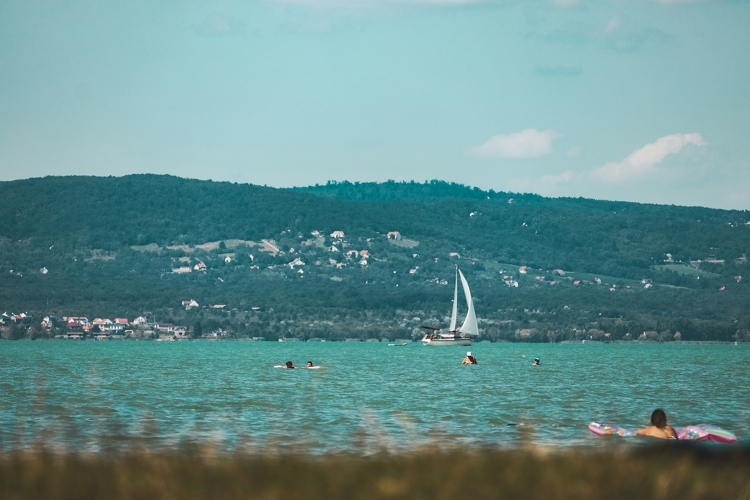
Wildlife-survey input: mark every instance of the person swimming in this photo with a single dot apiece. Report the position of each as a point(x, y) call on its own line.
point(289, 365)
point(309, 364)
point(469, 359)
point(536, 362)
point(659, 428)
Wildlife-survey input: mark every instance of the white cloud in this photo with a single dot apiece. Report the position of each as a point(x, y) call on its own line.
point(373, 3)
point(612, 24)
point(566, 176)
point(677, 1)
point(642, 161)
point(529, 143)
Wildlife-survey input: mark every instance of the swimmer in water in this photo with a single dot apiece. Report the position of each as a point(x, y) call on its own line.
point(310, 364)
point(536, 361)
point(659, 428)
point(469, 359)
point(289, 366)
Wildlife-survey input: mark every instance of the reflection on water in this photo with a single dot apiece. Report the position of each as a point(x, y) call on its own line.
point(103, 396)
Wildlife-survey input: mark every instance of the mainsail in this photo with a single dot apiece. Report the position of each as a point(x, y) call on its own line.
point(470, 326)
point(455, 305)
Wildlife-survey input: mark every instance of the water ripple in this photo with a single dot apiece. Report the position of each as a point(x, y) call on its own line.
point(368, 398)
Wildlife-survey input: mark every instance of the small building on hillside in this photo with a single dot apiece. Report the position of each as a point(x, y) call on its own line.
point(394, 235)
point(337, 234)
point(140, 320)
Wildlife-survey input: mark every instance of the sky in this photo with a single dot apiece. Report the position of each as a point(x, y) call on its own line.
point(635, 100)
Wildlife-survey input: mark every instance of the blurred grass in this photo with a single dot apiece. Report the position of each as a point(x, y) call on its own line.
point(658, 472)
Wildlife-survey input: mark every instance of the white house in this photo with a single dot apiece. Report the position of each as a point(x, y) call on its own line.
point(337, 234)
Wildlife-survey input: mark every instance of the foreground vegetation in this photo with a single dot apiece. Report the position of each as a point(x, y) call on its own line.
point(659, 472)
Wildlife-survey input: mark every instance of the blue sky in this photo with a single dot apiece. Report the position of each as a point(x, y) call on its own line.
point(638, 100)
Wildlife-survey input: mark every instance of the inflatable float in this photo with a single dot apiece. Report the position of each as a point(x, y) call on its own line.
point(700, 432)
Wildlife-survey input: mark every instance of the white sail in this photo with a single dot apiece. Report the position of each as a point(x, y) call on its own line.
point(455, 304)
point(470, 326)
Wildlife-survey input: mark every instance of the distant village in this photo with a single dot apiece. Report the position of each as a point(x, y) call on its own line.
point(145, 328)
point(140, 328)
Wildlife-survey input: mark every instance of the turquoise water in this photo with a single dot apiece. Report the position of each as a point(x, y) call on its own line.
point(368, 397)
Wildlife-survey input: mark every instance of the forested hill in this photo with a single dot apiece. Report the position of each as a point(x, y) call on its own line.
point(117, 243)
point(620, 239)
point(436, 190)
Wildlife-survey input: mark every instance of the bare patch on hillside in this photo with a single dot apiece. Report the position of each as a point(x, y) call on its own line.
point(406, 243)
point(151, 247)
point(184, 248)
point(98, 254)
point(213, 245)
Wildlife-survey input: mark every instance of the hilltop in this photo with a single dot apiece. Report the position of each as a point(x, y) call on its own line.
point(315, 261)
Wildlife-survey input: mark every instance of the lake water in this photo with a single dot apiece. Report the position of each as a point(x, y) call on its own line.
point(368, 397)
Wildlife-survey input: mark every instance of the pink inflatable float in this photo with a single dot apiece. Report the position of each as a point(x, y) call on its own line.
point(700, 432)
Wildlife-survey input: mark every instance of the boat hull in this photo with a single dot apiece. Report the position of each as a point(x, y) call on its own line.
point(444, 342)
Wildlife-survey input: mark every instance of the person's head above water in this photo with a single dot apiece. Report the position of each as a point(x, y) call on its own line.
point(659, 418)
point(309, 364)
point(289, 364)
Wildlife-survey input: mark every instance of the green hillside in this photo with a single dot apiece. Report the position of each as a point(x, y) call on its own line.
point(114, 246)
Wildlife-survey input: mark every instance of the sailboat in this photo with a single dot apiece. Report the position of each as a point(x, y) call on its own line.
point(462, 336)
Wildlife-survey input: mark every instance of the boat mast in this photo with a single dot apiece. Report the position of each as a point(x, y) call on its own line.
point(455, 304)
